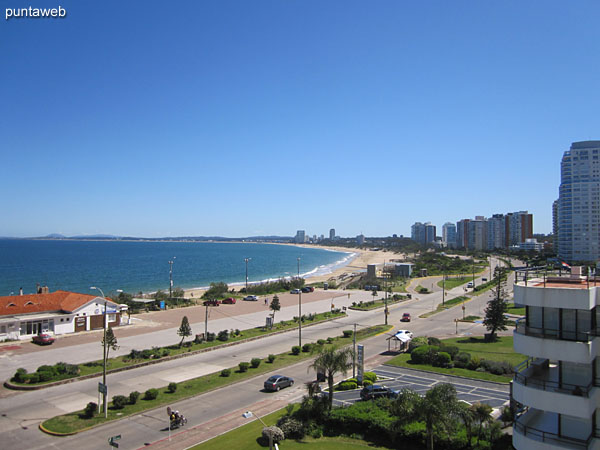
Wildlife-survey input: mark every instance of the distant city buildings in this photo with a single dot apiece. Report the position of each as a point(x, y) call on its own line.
point(577, 209)
point(360, 239)
point(449, 234)
point(332, 234)
point(300, 237)
point(423, 233)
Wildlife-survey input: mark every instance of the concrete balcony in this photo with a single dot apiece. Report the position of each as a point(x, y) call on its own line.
point(545, 343)
point(539, 388)
point(538, 430)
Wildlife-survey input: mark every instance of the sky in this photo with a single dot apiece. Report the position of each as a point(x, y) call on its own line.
point(243, 118)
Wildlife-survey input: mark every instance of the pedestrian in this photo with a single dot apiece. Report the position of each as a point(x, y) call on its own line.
point(266, 301)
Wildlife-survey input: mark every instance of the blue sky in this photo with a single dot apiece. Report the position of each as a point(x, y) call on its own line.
point(243, 118)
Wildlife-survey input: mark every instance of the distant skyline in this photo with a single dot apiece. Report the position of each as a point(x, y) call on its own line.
point(241, 118)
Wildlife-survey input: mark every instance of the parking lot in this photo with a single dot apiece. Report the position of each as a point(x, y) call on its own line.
point(471, 391)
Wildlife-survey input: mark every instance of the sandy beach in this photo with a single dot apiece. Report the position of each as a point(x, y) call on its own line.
point(357, 264)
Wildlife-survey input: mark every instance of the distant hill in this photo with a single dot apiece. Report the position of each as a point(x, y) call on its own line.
point(109, 237)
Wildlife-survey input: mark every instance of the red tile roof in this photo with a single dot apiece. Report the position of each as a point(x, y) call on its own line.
point(36, 303)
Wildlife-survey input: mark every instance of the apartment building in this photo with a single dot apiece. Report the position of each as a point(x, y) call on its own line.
point(558, 387)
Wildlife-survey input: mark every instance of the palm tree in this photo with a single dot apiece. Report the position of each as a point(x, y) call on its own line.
point(482, 413)
point(436, 409)
point(331, 362)
point(465, 413)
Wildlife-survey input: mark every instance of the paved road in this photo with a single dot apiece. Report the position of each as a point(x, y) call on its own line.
point(21, 412)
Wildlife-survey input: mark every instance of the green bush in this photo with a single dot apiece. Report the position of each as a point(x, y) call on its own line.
point(417, 342)
point(119, 401)
point(292, 428)
point(151, 394)
point(271, 358)
point(321, 342)
point(210, 337)
point(244, 366)
point(462, 360)
point(225, 372)
point(172, 387)
point(89, 410)
point(147, 354)
point(223, 335)
point(45, 376)
point(49, 369)
point(329, 340)
point(452, 350)
point(443, 359)
point(424, 354)
point(306, 348)
point(369, 376)
point(347, 385)
point(255, 362)
point(434, 341)
point(474, 363)
point(133, 397)
point(296, 350)
point(347, 333)
point(20, 376)
point(367, 383)
point(33, 377)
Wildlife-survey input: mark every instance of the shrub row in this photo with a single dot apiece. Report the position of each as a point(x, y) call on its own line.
point(45, 373)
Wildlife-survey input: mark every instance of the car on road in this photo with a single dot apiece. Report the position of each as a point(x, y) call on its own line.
point(377, 391)
point(470, 284)
point(308, 289)
point(405, 333)
point(43, 339)
point(484, 279)
point(405, 317)
point(277, 382)
point(211, 303)
point(251, 298)
point(229, 301)
point(295, 291)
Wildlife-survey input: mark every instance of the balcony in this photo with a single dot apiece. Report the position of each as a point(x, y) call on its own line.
point(537, 385)
point(538, 430)
point(578, 347)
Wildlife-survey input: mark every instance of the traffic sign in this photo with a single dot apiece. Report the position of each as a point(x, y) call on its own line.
point(112, 440)
point(102, 388)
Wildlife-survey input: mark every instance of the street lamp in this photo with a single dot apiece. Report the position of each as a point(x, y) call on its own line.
point(247, 259)
point(171, 277)
point(104, 391)
point(299, 309)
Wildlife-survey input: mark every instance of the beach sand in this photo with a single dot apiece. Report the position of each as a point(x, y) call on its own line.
point(358, 264)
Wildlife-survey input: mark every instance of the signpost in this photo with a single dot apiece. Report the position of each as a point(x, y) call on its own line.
point(361, 359)
point(112, 440)
point(102, 389)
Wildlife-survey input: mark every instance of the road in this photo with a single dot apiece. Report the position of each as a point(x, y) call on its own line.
point(20, 413)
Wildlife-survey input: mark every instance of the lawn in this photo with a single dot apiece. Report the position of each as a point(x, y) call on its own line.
point(373, 304)
point(451, 283)
point(244, 438)
point(74, 422)
point(501, 350)
point(517, 311)
point(446, 305)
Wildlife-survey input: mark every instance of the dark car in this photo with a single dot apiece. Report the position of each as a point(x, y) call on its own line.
point(405, 317)
point(377, 391)
point(211, 303)
point(229, 301)
point(43, 339)
point(277, 382)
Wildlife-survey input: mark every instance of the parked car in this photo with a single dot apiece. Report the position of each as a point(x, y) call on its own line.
point(251, 298)
point(295, 291)
point(405, 317)
point(470, 284)
point(405, 332)
point(229, 301)
point(211, 303)
point(276, 382)
point(306, 289)
point(377, 391)
point(483, 279)
point(43, 339)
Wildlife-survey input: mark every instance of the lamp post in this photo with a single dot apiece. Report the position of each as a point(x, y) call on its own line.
point(171, 277)
point(104, 353)
point(299, 309)
point(247, 259)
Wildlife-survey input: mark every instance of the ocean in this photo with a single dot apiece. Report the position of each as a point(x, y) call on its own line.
point(138, 266)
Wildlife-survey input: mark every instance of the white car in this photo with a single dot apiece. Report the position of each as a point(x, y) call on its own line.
point(251, 298)
point(295, 291)
point(470, 284)
point(405, 333)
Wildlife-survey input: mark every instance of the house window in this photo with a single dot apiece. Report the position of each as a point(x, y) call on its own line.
point(112, 317)
point(2, 329)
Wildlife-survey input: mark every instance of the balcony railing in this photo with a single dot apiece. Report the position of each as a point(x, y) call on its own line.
point(545, 277)
point(548, 385)
point(547, 436)
point(551, 333)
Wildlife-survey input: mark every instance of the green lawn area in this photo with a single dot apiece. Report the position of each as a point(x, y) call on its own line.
point(380, 303)
point(501, 350)
point(73, 422)
point(244, 438)
point(516, 311)
point(451, 283)
point(447, 305)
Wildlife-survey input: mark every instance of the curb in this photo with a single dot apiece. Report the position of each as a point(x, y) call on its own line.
point(17, 387)
point(449, 375)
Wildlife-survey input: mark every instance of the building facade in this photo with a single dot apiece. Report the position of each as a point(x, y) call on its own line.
point(332, 234)
point(579, 203)
point(557, 389)
point(300, 237)
point(423, 233)
point(449, 234)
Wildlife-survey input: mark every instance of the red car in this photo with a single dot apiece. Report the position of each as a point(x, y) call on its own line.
point(211, 303)
point(229, 301)
point(43, 339)
point(405, 317)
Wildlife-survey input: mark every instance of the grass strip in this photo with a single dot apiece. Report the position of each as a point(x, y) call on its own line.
point(75, 422)
point(514, 310)
point(446, 305)
point(190, 347)
point(500, 350)
point(451, 283)
point(374, 304)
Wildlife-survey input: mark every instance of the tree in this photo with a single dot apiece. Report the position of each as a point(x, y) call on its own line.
point(275, 306)
point(465, 413)
point(330, 362)
point(178, 293)
point(185, 329)
point(111, 341)
point(482, 414)
point(495, 319)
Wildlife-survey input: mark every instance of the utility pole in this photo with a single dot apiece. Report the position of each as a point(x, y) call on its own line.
point(386, 296)
point(171, 277)
point(103, 353)
point(443, 287)
point(299, 309)
point(354, 352)
point(473, 272)
point(206, 324)
point(247, 259)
